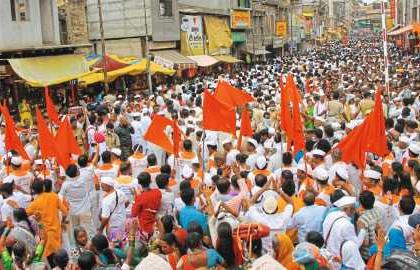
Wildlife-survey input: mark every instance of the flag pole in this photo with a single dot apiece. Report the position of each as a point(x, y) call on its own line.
point(385, 45)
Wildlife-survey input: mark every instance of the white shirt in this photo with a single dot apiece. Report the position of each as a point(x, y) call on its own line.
point(276, 222)
point(137, 165)
point(115, 212)
point(74, 190)
point(338, 227)
point(166, 203)
point(7, 210)
point(86, 174)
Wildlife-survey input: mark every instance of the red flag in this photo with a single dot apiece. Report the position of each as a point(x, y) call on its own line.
point(298, 137)
point(66, 140)
point(217, 116)
point(353, 146)
point(11, 140)
point(156, 133)
point(231, 96)
point(246, 128)
point(49, 104)
point(46, 140)
point(376, 138)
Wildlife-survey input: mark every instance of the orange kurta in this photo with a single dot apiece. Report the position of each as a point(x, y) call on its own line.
point(47, 205)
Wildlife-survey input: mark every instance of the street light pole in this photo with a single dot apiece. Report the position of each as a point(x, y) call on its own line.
point(101, 29)
point(149, 75)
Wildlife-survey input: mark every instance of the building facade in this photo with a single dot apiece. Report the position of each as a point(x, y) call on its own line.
point(128, 23)
point(28, 24)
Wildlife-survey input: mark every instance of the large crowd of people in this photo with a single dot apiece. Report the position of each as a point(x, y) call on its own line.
point(125, 203)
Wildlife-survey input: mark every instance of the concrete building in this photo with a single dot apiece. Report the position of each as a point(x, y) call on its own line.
point(127, 23)
point(28, 24)
point(73, 23)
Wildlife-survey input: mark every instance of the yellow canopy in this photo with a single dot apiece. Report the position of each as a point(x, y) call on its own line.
point(50, 70)
point(133, 69)
point(227, 59)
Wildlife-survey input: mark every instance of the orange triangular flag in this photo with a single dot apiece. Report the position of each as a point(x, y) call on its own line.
point(298, 137)
point(376, 138)
point(66, 140)
point(217, 116)
point(246, 128)
point(353, 146)
point(231, 96)
point(11, 139)
point(49, 104)
point(285, 116)
point(45, 139)
point(156, 133)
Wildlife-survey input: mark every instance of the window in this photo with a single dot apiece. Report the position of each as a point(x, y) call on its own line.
point(414, 14)
point(13, 10)
point(23, 10)
point(165, 8)
point(244, 3)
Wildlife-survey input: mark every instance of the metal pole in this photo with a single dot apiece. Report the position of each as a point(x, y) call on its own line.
point(149, 75)
point(385, 45)
point(101, 29)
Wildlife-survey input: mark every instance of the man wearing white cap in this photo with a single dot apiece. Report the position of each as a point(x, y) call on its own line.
point(113, 206)
point(318, 158)
point(267, 214)
point(230, 152)
point(251, 147)
point(337, 227)
point(260, 168)
point(186, 157)
point(401, 149)
point(341, 180)
point(371, 180)
point(325, 190)
point(413, 153)
point(22, 178)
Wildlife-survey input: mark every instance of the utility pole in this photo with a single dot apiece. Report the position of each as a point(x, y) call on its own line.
point(291, 28)
point(149, 75)
point(101, 29)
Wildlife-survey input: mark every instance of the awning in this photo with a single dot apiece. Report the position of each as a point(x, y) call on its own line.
point(173, 59)
point(257, 51)
point(204, 60)
point(134, 69)
point(227, 59)
point(394, 28)
point(415, 27)
point(50, 70)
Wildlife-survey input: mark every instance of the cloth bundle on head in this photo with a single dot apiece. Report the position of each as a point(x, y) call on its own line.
point(108, 181)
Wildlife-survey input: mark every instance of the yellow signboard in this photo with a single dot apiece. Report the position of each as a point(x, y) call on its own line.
point(281, 28)
point(240, 19)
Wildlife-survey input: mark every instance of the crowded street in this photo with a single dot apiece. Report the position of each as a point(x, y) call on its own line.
point(304, 159)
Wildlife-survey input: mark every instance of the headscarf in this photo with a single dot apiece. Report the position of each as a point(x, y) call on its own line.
point(396, 241)
point(351, 257)
point(284, 252)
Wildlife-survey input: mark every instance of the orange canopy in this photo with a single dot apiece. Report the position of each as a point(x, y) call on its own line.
point(415, 27)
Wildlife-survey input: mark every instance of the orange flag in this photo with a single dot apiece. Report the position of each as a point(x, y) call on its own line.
point(217, 116)
point(376, 138)
point(11, 140)
point(231, 96)
point(156, 133)
point(246, 128)
point(66, 140)
point(298, 137)
point(285, 115)
point(46, 140)
point(176, 137)
point(49, 104)
point(353, 146)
